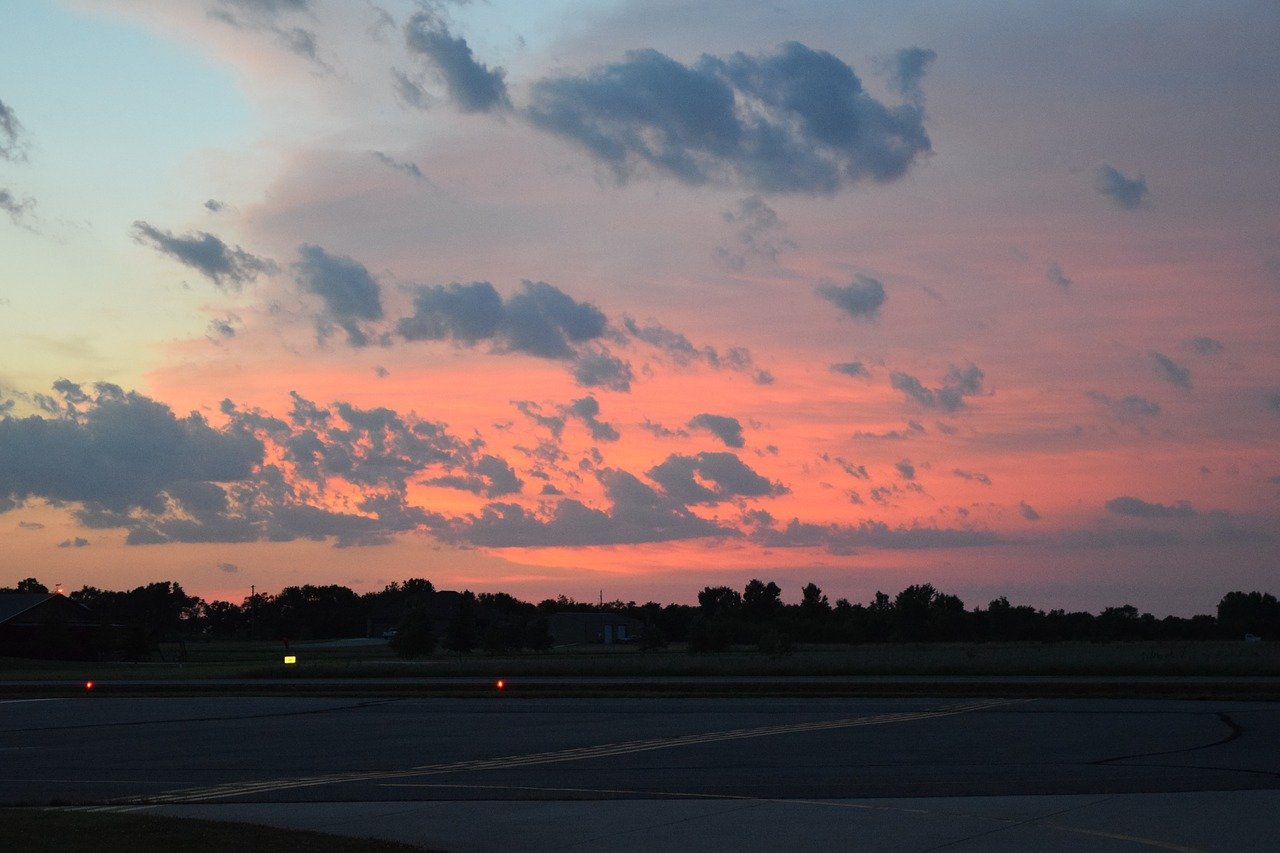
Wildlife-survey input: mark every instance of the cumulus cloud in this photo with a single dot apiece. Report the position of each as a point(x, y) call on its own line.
point(861, 298)
point(1138, 508)
point(759, 235)
point(906, 70)
point(472, 86)
point(1054, 275)
point(846, 539)
point(540, 320)
point(116, 450)
point(852, 368)
point(636, 514)
point(1126, 193)
point(214, 206)
point(905, 469)
point(710, 478)
point(1171, 372)
point(77, 542)
point(349, 292)
point(958, 384)
point(727, 429)
point(587, 410)
point(599, 368)
point(975, 476)
point(13, 146)
point(794, 121)
point(228, 268)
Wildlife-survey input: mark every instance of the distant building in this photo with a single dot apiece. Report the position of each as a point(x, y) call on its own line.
point(607, 628)
point(45, 625)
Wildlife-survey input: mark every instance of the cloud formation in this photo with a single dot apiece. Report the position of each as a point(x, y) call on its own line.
point(797, 120)
point(13, 145)
point(540, 320)
point(958, 384)
point(860, 298)
point(907, 70)
point(473, 87)
point(1138, 508)
point(20, 210)
point(727, 429)
point(760, 234)
point(1126, 408)
point(228, 268)
point(1126, 193)
point(349, 292)
point(710, 478)
point(851, 368)
point(1172, 372)
point(115, 450)
point(1054, 275)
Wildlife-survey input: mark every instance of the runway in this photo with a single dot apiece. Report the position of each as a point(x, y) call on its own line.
point(758, 773)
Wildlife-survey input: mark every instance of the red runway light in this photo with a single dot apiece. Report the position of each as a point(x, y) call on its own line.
point(88, 685)
point(501, 685)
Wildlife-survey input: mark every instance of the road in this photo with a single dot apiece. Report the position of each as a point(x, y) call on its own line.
point(627, 773)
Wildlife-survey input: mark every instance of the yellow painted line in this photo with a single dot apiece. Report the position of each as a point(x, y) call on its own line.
point(217, 792)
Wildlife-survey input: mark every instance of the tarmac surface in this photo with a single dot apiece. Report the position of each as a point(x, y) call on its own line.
point(667, 773)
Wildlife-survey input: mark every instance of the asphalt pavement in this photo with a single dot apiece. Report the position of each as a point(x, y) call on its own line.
point(649, 773)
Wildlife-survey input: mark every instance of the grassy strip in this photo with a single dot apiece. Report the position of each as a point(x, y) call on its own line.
point(265, 660)
point(59, 831)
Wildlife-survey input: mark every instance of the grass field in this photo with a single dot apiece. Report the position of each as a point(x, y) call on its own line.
point(374, 660)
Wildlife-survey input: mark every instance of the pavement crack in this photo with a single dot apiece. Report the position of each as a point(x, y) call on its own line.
point(1235, 730)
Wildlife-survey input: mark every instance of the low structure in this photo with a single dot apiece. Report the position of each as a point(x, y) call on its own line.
point(45, 625)
point(607, 628)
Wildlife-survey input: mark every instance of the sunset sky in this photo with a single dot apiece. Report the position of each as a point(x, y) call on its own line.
point(635, 297)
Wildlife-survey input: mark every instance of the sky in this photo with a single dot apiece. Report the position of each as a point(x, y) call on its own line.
point(632, 297)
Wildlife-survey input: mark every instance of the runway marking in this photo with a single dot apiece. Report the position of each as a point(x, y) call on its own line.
point(239, 789)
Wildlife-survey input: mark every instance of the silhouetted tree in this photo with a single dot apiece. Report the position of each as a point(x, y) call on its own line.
point(416, 634)
point(460, 633)
point(1256, 613)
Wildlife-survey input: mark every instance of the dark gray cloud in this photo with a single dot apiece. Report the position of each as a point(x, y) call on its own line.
point(759, 235)
point(975, 476)
point(539, 320)
point(587, 410)
point(1027, 511)
point(410, 169)
point(20, 210)
point(794, 121)
point(907, 70)
point(852, 368)
point(861, 298)
point(1054, 275)
point(1126, 408)
point(214, 206)
point(1127, 193)
point(78, 542)
point(710, 478)
point(846, 539)
point(905, 469)
point(1138, 508)
point(473, 86)
point(600, 368)
point(1171, 372)
point(637, 514)
point(679, 350)
point(958, 384)
point(1206, 346)
point(116, 450)
point(489, 476)
point(349, 292)
point(409, 91)
point(13, 145)
point(226, 267)
point(229, 568)
point(223, 328)
point(727, 429)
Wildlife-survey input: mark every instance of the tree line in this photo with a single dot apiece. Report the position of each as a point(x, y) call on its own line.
point(418, 618)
